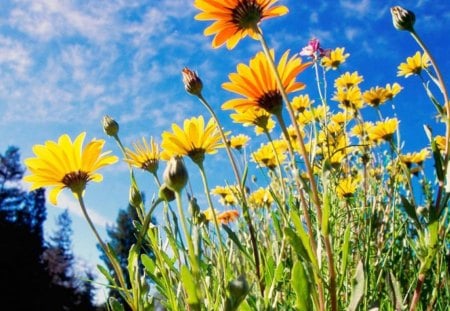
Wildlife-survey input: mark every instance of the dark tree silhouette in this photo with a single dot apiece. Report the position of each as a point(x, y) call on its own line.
point(27, 280)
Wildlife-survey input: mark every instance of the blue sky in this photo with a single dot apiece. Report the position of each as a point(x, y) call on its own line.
point(64, 64)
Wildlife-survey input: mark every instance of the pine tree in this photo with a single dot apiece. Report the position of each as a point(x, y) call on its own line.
point(70, 284)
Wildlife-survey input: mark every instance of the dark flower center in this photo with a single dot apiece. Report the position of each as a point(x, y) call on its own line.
point(271, 102)
point(76, 181)
point(247, 14)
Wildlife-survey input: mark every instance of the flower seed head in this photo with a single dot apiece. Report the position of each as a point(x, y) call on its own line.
point(403, 19)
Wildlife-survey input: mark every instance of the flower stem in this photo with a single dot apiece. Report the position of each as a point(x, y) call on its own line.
point(241, 186)
point(216, 223)
point(112, 260)
point(304, 154)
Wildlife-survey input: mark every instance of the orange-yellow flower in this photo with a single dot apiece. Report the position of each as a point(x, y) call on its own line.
point(334, 59)
point(238, 141)
point(383, 130)
point(414, 65)
point(261, 119)
point(346, 187)
point(66, 164)
point(195, 140)
point(347, 80)
point(258, 86)
point(144, 156)
point(233, 20)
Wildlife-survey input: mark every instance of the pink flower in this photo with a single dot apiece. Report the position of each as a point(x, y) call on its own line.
point(314, 50)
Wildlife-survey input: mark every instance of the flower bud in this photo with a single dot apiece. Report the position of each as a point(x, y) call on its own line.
point(403, 19)
point(165, 193)
point(110, 126)
point(237, 290)
point(175, 174)
point(135, 197)
point(192, 83)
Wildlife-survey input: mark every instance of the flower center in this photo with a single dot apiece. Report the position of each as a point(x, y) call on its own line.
point(197, 155)
point(150, 165)
point(247, 14)
point(271, 101)
point(76, 181)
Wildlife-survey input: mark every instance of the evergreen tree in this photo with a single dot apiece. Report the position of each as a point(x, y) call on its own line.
point(70, 284)
point(25, 281)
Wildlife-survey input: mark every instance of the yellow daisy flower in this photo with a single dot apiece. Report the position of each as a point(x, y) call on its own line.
point(341, 117)
point(347, 80)
point(334, 59)
point(145, 155)
point(66, 164)
point(233, 20)
point(265, 156)
point(301, 102)
point(414, 65)
point(392, 91)
point(415, 157)
point(349, 99)
point(375, 96)
point(440, 142)
point(226, 195)
point(238, 141)
point(361, 130)
point(261, 119)
point(257, 84)
point(195, 140)
point(260, 198)
point(346, 187)
point(224, 217)
point(383, 130)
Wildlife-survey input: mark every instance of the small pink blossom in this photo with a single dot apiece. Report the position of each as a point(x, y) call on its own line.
point(314, 50)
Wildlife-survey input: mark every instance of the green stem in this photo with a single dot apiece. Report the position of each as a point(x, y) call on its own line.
point(241, 186)
point(106, 250)
point(443, 90)
point(216, 223)
point(187, 236)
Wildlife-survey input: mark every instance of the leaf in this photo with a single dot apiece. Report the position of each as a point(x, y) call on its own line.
point(106, 274)
point(357, 287)
point(236, 241)
point(326, 209)
point(190, 287)
point(301, 287)
point(304, 238)
point(410, 210)
point(345, 251)
point(115, 304)
point(394, 291)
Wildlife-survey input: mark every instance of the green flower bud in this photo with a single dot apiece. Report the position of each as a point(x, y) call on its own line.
point(237, 290)
point(110, 126)
point(135, 197)
point(403, 19)
point(175, 174)
point(165, 193)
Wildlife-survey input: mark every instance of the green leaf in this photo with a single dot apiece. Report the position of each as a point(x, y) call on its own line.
point(393, 288)
point(326, 210)
point(106, 274)
point(438, 161)
point(410, 210)
point(301, 287)
point(357, 287)
point(345, 251)
point(115, 304)
point(190, 287)
point(236, 241)
point(304, 238)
